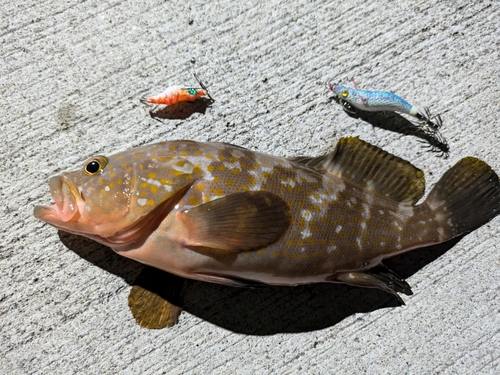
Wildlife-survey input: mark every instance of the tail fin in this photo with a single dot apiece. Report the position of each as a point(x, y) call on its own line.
point(466, 197)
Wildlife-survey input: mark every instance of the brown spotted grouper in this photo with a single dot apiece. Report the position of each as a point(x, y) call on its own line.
point(220, 213)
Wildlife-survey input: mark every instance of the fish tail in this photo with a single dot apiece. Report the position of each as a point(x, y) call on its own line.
point(466, 197)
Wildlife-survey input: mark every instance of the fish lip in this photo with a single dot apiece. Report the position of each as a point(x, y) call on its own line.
point(65, 196)
point(45, 212)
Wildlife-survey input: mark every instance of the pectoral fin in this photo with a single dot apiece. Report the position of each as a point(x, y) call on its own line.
point(148, 299)
point(227, 280)
point(237, 222)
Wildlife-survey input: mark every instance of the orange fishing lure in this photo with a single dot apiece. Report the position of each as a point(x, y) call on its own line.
point(176, 94)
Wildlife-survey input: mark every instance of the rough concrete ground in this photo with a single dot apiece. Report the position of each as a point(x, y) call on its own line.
point(71, 74)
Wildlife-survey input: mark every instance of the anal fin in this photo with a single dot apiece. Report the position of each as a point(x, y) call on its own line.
point(387, 281)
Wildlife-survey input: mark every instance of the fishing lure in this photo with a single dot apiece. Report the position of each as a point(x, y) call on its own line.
point(176, 94)
point(375, 101)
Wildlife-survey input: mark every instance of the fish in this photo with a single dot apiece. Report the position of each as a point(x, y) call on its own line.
point(220, 213)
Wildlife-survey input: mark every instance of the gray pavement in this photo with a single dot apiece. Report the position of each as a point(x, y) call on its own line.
point(71, 75)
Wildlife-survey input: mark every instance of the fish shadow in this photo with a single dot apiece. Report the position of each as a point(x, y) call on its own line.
point(180, 111)
point(102, 256)
point(257, 311)
point(394, 122)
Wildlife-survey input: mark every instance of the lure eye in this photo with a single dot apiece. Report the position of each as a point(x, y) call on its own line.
point(345, 93)
point(192, 91)
point(95, 165)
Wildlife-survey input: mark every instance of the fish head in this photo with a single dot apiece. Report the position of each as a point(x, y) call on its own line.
point(116, 199)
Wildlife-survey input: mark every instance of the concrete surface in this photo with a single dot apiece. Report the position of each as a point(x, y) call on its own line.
point(71, 74)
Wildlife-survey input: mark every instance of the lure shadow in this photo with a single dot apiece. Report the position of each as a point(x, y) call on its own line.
point(182, 110)
point(262, 311)
point(394, 122)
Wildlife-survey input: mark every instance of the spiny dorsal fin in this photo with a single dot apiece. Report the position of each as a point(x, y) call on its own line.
point(372, 168)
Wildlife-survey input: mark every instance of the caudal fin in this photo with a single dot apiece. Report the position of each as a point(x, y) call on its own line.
point(466, 197)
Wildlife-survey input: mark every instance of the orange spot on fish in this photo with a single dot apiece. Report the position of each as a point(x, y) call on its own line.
point(194, 200)
point(164, 158)
point(216, 191)
point(199, 187)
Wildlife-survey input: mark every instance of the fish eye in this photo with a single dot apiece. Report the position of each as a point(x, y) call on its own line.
point(192, 91)
point(95, 165)
point(345, 93)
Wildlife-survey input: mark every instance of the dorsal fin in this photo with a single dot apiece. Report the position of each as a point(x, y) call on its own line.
point(371, 168)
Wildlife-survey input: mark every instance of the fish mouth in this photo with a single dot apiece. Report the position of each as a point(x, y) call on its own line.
point(66, 197)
